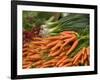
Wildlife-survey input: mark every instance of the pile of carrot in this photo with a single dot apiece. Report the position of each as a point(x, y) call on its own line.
point(54, 51)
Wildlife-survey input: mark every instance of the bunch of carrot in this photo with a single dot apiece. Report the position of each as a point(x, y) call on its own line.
point(54, 51)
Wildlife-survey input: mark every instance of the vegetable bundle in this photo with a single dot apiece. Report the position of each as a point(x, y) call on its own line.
point(54, 51)
point(54, 40)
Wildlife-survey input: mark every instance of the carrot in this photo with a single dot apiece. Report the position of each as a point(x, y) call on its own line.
point(88, 51)
point(28, 67)
point(54, 38)
point(85, 55)
point(77, 57)
point(50, 61)
point(57, 58)
point(25, 54)
point(66, 36)
point(37, 50)
point(25, 66)
point(73, 47)
point(32, 51)
point(37, 63)
point(68, 41)
point(82, 59)
point(52, 44)
point(31, 46)
point(48, 65)
point(25, 45)
point(55, 53)
point(34, 57)
point(43, 47)
point(64, 62)
point(25, 49)
point(62, 59)
point(62, 54)
point(68, 64)
point(45, 42)
point(60, 65)
point(56, 46)
point(65, 48)
point(76, 64)
point(38, 42)
point(68, 32)
point(26, 62)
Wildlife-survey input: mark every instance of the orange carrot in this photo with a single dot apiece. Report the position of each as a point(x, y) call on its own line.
point(32, 51)
point(73, 47)
point(52, 44)
point(37, 63)
point(25, 54)
point(55, 53)
point(88, 51)
point(25, 49)
point(29, 66)
point(64, 62)
point(25, 45)
point(68, 64)
point(50, 61)
point(34, 57)
point(78, 56)
point(38, 42)
point(65, 48)
point(63, 58)
point(66, 36)
point(68, 41)
point(62, 54)
point(56, 46)
point(88, 57)
point(85, 55)
point(82, 59)
point(25, 66)
point(54, 38)
point(43, 47)
point(26, 62)
point(68, 32)
point(47, 65)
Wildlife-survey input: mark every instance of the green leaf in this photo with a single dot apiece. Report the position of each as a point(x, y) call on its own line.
point(73, 17)
point(75, 22)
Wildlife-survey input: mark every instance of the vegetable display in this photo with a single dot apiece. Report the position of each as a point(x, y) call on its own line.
point(55, 40)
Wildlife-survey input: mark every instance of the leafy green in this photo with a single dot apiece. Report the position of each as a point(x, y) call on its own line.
point(73, 17)
point(75, 22)
point(35, 18)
